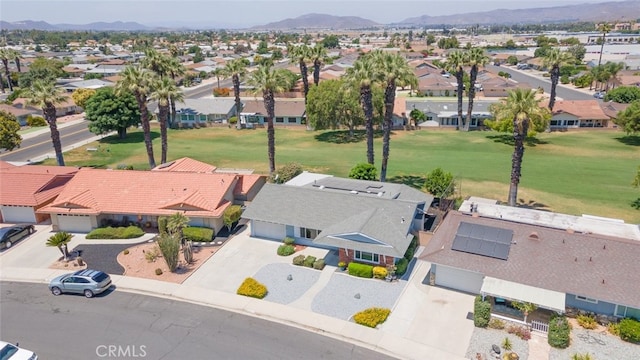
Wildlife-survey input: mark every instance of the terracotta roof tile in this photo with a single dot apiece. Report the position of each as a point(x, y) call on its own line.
point(30, 189)
point(582, 109)
point(246, 182)
point(186, 164)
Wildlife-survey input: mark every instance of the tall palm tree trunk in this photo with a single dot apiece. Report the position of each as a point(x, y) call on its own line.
point(269, 104)
point(460, 80)
point(172, 118)
point(7, 74)
point(305, 79)
point(17, 60)
point(555, 76)
point(472, 94)
point(146, 129)
point(367, 107)
point(389, 101)
point(163, 112)
point(2, 84)
point(50, 116)
point(236, 94)
point(316, 71)
point(516, 159)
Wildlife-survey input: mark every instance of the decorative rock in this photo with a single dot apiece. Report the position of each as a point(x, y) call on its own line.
point(357, 296)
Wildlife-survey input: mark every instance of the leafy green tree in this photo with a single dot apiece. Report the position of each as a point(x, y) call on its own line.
point(80, 96)
point(417, 116)
point(107, 111)
point(541, 51)
point(578, 51)
point(364, 171)
point(512, 60)
point(231, 215)
point(60, 240)
point(46, 70)
point(629, 118)
point(45, 96)
point(553, 60)
point(448, 43)
point(262, 48)
point(333, 104)
point(623, 94)
point(439, 183)
point(331, 42)
point(519, 112)
point(9, 127)
point(431, 39)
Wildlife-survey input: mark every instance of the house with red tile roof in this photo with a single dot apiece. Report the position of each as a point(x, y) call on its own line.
point(568, 114)
point(186, 164)
point(26, 189)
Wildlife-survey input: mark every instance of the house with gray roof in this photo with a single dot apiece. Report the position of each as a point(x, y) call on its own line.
point(561, 267)
point(445, 113)
point(191, 111)
point(364, 221)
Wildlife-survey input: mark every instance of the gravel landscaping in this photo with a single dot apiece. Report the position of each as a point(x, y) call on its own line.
point(103, 256)
point(482, 339)
point(284, 291)
point(338, 298)
point(600, 345)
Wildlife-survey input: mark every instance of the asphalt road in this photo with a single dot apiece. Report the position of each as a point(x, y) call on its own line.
point(72, 327)
point(41, 144)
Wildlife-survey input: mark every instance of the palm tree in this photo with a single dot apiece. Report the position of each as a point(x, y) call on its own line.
point(236, 69)
point(5, 56)
point(455, 64)
point(218, 73)
point(605, 28)
point(155, 62)
point(300, 54)
point(163, 90)
point(45, 96)
point(137, 81)
point(363, 75)
point(16, 56)
point(269, 81)
point(60, 240)
point(476, 59)
point(174, 69)
point(394, 71)
point(318, 55)
point(521, 107)
point(553, 60)
point(613, 68)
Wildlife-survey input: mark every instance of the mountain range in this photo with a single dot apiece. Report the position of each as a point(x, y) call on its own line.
point(609, 11)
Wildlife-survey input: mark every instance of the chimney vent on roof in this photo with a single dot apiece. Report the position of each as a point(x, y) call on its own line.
point(576, 259)
point(603, 281)
point(590, 258)
point(604, 247)
point(534, 236)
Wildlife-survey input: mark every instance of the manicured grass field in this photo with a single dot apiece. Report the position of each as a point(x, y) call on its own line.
point(584, 172)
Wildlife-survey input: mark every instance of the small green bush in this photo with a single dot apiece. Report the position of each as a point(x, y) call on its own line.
point(129, 232)
point(198, 234)
point(318, 264)
point(401, 266)
point(35, 121)
point(360, 270)
point(309, 260)
point(289, 241)
point(252, 288)
point(372, 317)
point(630, 330)
point(587, 322)
point(614, 329)
point(481, 312)
point(298, 260)
point(286, 250)
point(162, 225)
point(158, 271)
point(496, 324)
point(411, 250)
point(559, 332)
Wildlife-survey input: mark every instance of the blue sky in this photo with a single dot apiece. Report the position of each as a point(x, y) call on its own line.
point(239, 13)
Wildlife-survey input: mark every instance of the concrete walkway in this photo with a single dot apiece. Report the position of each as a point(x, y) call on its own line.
point(539, 347)
point(305, 300)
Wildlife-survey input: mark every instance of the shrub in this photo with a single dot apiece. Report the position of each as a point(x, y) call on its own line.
point(585, 356)
point(233, 120)
point(587, 322)
point(231, 215)
point(559, 332)
point(35, 121)
point(126, 251)
point(614, 329)
point(170, 248)
point(364, 171)
point(197, 234)
point(298, 260)
point(481, 312)
point(222, 92)
point(630, 330)
point(286, 250)
point(342, 264)
point(506, 344)
point(519, 331)
point(496, 324)
point(438, 183)
point(289, 241)
point(379, 272)
point(318, 264)
point(308, 261)
point(152, 254)
point(401, 266)
point(287, 172)
point(411, 250)
point(158, 271)
point(250, 287)
point(360, 270)
point(162, 225)
point(372, 317)
point(129, 232)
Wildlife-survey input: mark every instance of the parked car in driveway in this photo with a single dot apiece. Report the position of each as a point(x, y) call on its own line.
point(87, 282)
point(14, 352)
point(599, 95)
point(12, 234)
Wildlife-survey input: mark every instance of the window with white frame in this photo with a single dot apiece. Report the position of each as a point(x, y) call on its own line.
point(586, 299)
point(309, 233)
point(366, 256)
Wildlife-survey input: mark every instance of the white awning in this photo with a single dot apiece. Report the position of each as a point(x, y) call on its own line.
point(548, 299)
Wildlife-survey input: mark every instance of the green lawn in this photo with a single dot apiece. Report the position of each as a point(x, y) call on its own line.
point(586, 172)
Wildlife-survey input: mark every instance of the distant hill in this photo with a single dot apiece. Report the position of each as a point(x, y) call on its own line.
point(319, 21)
point(98, 26)
point(620, 10)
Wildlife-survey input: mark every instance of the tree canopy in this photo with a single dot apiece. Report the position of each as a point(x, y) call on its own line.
point(106, 111)
point(44, 69)
point(9, 127)
point(364, 171)
point(623, 94)
point(439, 183)
point(629, 118)
point(80, 96)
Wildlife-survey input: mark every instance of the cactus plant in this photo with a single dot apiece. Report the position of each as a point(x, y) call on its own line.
point(187, 252)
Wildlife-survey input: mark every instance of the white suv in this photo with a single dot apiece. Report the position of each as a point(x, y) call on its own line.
point(13, 352)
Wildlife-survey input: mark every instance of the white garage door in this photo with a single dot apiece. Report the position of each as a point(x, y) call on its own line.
point(18, 214)
point(267, 230)
point(79, 223)
point(458, 279)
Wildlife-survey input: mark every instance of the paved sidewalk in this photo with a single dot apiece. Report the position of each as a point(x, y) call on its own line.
point(539, 347)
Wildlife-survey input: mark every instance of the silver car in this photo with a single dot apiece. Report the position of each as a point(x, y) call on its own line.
point(87, 282)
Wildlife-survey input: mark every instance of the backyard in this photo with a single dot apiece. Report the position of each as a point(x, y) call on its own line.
point(582, 172)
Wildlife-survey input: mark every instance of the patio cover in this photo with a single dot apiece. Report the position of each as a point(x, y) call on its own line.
point(548, 299)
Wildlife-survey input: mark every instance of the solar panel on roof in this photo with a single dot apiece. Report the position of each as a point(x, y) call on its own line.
point(483, 240)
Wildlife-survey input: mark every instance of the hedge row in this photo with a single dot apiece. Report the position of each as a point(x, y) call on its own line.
point(481, 312)
point(286, 250)
point(309, 261)
point(198, 234)
point(252, 288)
point(360, 270)
point(372, 317)
point(128, 232)
point(559, 332)
point(630, 330)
